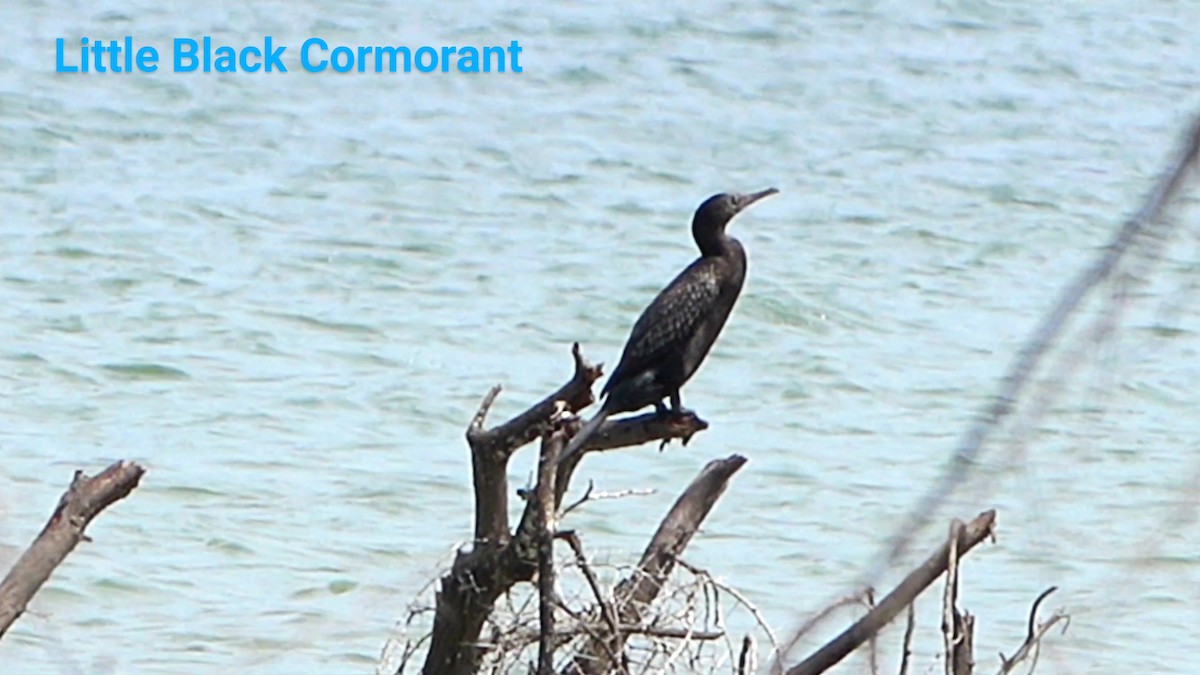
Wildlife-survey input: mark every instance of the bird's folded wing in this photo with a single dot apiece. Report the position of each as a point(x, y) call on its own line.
point(670, 320)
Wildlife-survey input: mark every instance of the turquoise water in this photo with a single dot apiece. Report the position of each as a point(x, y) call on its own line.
point(285, 295)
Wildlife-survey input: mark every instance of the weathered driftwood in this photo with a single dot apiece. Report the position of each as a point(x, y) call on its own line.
point(917, 581)
point(642, 587)
point(83, 501)
point(499, 557)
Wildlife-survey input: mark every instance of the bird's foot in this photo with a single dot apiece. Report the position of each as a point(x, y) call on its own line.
point(680, 412)
point(676, 411)
point(684, 423)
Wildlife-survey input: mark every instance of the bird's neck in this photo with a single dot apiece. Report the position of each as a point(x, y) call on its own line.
point(713, 241)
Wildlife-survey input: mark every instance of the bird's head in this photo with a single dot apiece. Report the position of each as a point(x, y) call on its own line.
point(718, 210)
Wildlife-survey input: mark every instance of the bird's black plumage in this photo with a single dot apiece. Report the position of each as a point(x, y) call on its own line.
point(676, 331)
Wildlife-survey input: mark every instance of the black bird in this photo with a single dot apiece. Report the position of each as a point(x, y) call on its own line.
point(673, 335)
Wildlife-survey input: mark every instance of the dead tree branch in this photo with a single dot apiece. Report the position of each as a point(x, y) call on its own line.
point(83, 501)
point(908, 590)
point(1033, 639)
point(499, 558)
point(628, 431)
point(551, 446)
point(642, 587)
point(623, 432)
point(492, 448)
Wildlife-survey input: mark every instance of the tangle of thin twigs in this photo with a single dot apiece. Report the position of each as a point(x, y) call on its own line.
point(678, 634)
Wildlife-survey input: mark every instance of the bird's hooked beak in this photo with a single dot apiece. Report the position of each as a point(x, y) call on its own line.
point(744, 201)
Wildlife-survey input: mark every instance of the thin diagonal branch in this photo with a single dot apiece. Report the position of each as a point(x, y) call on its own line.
point(912, 586)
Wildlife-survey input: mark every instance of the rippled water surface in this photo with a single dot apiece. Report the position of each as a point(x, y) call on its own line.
point(285, 295)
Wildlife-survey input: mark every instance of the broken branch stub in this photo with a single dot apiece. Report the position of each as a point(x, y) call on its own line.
point(505, 438)
point(83, 501)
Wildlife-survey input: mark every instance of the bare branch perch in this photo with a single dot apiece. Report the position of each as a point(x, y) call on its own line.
point(672, 537)
point(627, 431)
point(912, 586)
point(83, 501)
point(630, 431)
point(499, 558)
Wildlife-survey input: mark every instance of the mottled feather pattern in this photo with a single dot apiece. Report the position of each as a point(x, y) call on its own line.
point(675, 313)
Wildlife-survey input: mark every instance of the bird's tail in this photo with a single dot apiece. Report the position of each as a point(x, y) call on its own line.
point(580, 439)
